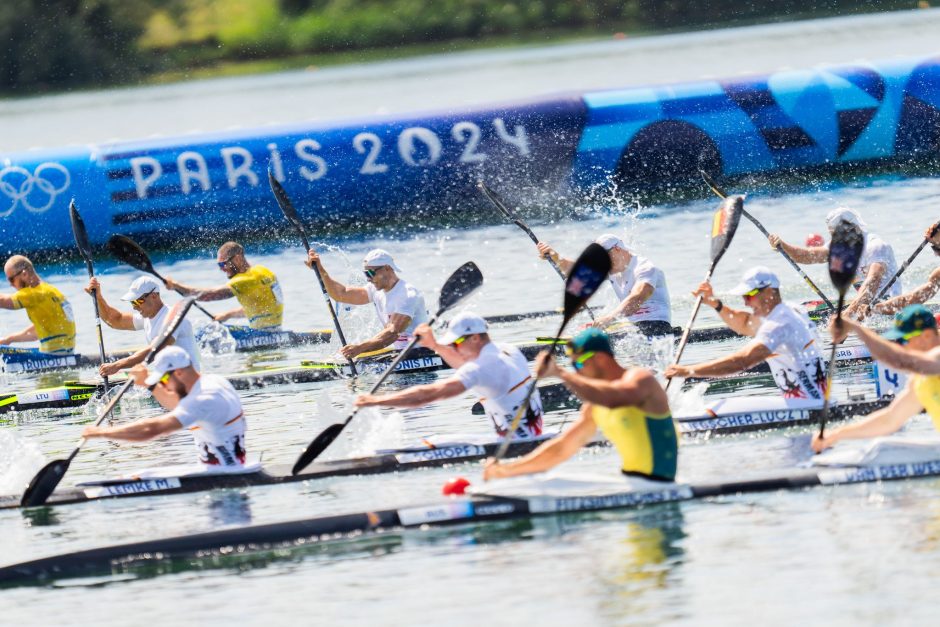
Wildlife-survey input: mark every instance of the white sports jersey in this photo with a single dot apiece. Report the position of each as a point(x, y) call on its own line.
point(183, 336)
point(878, 251)
point(500, 377)
point(795, 361)
point(402, 299)
point(642, 270)
point(212, 411)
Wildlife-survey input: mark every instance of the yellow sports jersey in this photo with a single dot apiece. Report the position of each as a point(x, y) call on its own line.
point(51, 314)
point(647, 444)
point(927, 390)
point(259, 294)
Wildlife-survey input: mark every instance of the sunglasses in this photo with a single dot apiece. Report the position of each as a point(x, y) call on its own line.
point(371, 272)
point(14, 275)
point(137, 302)
point(166, 377)
point(578, 361)
point(460, 340)
point(753, 292)
point(222, 264)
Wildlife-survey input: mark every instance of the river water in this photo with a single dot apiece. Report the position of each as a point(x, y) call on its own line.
point(814, 556)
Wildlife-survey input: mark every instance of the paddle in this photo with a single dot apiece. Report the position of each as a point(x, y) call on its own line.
point(760, 227)
point(463, 282)
point(845, 253)
point(494, 198)
point(724, 224)
point(46, 480)
point(131, 253)
point(287, 208)
point(587, 274)
point(84, 249)
point(884, 290)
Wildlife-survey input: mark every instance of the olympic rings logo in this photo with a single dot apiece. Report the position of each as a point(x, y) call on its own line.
point(35, 191)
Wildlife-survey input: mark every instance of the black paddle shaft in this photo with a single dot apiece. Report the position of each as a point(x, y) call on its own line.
point(463, 282)
point(84, 249)
point(587, 273)
point(133, 254)
point(287, 208)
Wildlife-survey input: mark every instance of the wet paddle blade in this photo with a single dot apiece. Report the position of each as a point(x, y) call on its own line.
point(588, 272)
point(287, 207)
point(464, 281)
point(320, 444)
point(718, 191)
point(130, 252)
point(81, 234)
point(724, 224)
point(845, 253)
point(44, 483)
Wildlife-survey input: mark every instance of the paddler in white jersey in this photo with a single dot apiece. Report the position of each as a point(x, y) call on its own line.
point(398, 304)
point(783, 336)
point(497, 373)
point(875, 269)
point(207, 405)
point(150, 314)
point(639, 285)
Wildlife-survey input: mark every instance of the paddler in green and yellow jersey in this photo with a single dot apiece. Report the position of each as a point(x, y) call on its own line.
point(50, 313)
point(628, 405)
point(255, 287)
point(912, 346)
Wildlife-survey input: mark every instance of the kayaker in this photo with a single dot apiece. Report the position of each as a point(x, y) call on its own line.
point(207, 405)
point(628, 405)
point(640, 287)
point(912, 346)
point(49, 312)
point(255, 287)
point(875, 269)
point(497, 373)
point(150, 314)
point(398, 304)
point(922, 293)
point(783, 336)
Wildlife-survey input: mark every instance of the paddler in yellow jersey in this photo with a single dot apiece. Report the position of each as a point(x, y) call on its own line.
point(254, 286)
point(628, 405)
point(912, 346)
point(49, 311)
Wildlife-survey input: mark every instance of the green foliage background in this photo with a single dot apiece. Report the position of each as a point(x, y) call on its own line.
point(59, 44)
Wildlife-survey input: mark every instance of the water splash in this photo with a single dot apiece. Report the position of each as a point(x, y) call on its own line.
point(213, 338)
point(20, 460)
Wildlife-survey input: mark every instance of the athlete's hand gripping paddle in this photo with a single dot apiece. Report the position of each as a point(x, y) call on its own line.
point(494, 198)
point(587, 274)
point(287, 208)
point(845, 253)
point(84, 248)
point(131, 253)
point(760, 227)
point(46, 480)
point(881, 294)
point(724, 224)
point(463, 282)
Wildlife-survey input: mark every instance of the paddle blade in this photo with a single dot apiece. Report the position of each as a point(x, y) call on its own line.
point(319, 444)
point(712, 185)
point(845, 253)
point(464, 281)
point(81, 234)
point(130, 252)
point(724, 224)
point(494, 198)
point(586, 275)
point(44, 483)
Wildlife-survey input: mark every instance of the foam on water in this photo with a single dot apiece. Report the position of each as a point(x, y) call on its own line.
point(20, 460)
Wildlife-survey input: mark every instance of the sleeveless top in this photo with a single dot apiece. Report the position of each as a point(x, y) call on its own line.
point(51, 314)
point(647, 444)
point(259, 294)
point(927, 390)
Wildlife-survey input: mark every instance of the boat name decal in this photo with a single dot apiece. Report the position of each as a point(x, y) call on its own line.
point(444, 452)
point(875, 473)
point(133, 487)
point(742, 420)
point(457, 510)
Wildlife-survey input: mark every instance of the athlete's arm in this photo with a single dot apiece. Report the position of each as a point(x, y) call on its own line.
point(800, 254)
point(634, 390)
point(867, 292)
point(6, 301)
point(131, 360)
point(739, 321)
point(137, 431)
point(547, 252)
point(26, 335)
point(417, 396)
point(919, 295)
point(747, 357)
point(397, 323)
point(212, 293)
point(549, 454)
point(640, 294)
point(114, 318)
point(336, 290)
point(891, 353)
point(228, 315)
point(447, 352)
point(882, 422)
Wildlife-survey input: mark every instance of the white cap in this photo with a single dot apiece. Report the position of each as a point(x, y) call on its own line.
point(844, 214)
point(757, 277)
point(610, 241)
point(141, 285)
point(170, 358)
point(464, 323)
point(377, 258)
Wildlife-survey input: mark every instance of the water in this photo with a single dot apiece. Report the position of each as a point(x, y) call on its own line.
point(812, 556)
